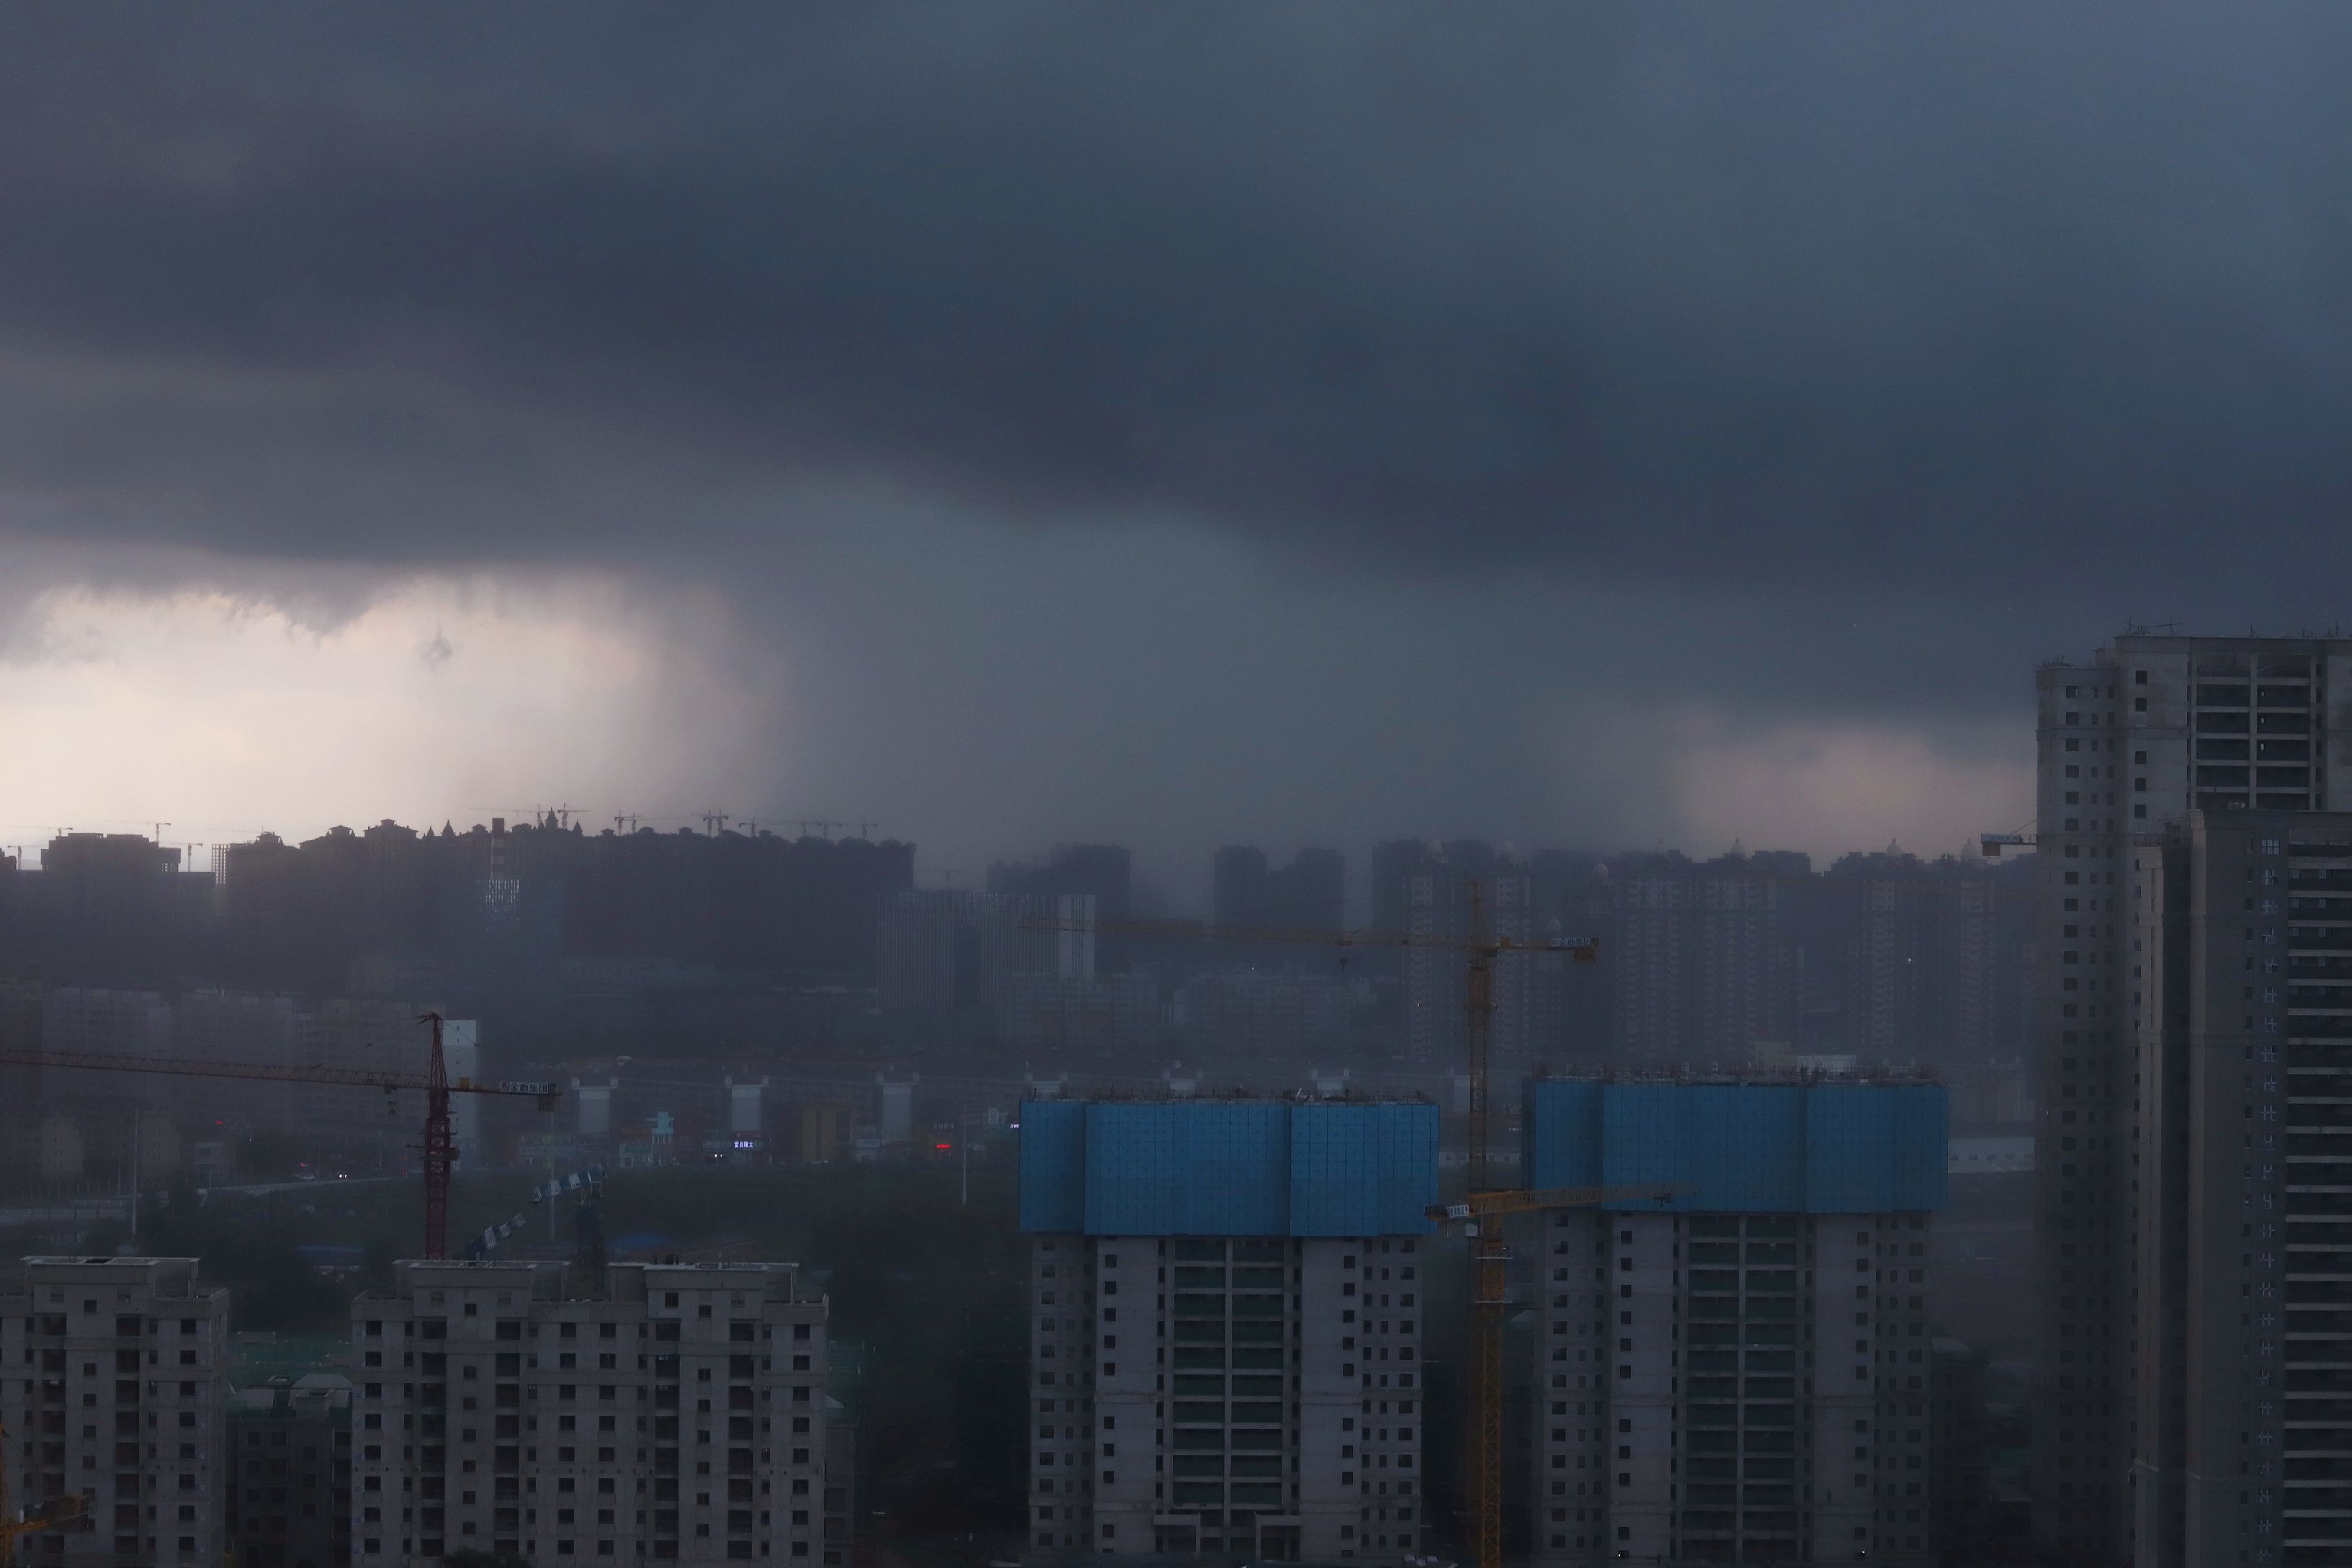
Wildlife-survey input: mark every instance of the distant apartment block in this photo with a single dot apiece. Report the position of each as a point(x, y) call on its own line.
point(1702, 963)
point(1310, 893)
point(1738, 1369)
point(1930, 969)
point(102, 1021)
point(1226, 1314)
point(1435, 900)
point(116, 1387)
point(678, 1414)
point(943, 952)
point(1280, 1014)
point(1047, 1013)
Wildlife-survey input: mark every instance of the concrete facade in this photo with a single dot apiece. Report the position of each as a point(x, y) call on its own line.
point(1226, 1305)
point(678, 1415)
point(123, 1394)
point(2243, 988)
point(1730, 1388)
point(2149, 730)
point(1253, 1397)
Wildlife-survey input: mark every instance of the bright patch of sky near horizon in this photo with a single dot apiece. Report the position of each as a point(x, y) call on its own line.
point(455, 697)
point(443, 699)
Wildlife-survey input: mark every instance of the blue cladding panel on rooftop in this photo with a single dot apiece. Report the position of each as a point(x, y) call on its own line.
point(1923, 1129)
point(1335, 1179)
point(1362, 1170)
point(1188, 1169)
point(1566, 1152)
point(1849, 1149)
point(1228, 1168)
point(1832, 1148)
point(1408, 1164)
point(1052, 1165)
point(1736, 1147)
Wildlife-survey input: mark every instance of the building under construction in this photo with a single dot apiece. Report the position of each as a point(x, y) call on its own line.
point(1724, 1279)
point(1738, 1373)
point(1226, 1306)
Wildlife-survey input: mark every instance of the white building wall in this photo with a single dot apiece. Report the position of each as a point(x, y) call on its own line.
point(1331, 1391)
point(1644, 1320)
point(679, 1416)
point(1128, 1456)
point(1104, 1390)
point(1612, 1441)
point(1061, 1376)
point(1845, 1340)
point(154, 1455)
point(1570, 1270)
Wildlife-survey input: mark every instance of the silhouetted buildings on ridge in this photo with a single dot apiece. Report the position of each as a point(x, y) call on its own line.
point(449, 910)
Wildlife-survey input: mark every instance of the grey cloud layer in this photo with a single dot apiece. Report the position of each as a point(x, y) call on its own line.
point(1855, 296)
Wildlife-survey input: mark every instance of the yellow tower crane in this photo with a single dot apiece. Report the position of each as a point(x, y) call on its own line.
point(1488, 1252)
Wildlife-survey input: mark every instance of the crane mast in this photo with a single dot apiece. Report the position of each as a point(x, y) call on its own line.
point(440, 1148)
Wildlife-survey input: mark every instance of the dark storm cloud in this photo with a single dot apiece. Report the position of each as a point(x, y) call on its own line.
point(1867, 296)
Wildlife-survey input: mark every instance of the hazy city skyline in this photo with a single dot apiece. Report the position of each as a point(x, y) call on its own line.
point(1634, 426)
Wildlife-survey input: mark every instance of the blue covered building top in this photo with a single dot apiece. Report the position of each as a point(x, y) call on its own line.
point(1227, 1168)
point(1743, 1147)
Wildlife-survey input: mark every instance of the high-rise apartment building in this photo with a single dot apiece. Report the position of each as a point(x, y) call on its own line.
point(289, 1486)
point(1739, 1372)
point(2149, 730)
point(2243, 977)
point(1227, 1307)
point(677, 1413)
point(118, 1387)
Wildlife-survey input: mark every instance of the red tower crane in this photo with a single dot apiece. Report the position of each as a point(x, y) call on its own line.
point(440, 1152)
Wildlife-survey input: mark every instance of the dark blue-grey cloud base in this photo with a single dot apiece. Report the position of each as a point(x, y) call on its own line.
point(1907, 296)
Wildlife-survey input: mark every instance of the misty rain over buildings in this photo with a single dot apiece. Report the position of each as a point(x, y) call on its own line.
point(956, 788)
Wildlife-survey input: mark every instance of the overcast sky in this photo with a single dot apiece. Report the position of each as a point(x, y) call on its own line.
point(1578, 424)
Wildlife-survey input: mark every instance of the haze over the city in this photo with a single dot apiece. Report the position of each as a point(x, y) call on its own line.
point(1596, 425)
